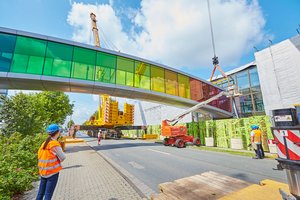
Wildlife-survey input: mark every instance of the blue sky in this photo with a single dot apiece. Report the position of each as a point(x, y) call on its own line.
point(275, 20)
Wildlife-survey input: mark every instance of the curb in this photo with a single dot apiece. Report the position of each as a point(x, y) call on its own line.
point(143, 190)
point(230, 151)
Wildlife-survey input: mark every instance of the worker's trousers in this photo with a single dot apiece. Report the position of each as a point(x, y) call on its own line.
point(47, 186)
point(259, 151)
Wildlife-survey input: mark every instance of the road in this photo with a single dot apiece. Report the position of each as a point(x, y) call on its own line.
point(154, 163)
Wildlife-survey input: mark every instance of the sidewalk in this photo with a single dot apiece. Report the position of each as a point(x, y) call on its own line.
point(86, 175)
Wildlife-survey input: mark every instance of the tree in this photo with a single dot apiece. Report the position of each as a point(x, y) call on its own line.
point(70, 123)
point(56, 106)
point(30, 113)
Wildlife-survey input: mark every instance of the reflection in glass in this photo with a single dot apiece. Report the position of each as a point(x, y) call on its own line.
point(171, 82)
point(7, 45)
point(142, 75)
point(157, 79)
point(106, 68)
point(58, 60)
point(29, 55)
point(125, 70)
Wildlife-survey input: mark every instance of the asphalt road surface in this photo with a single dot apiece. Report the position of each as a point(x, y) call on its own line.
point(154, 163)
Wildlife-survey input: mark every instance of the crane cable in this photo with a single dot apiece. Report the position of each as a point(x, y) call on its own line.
point(109, 44)
point(211, 29)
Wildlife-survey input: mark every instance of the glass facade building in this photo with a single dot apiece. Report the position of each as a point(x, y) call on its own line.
point(53, 58)
point(246, 79)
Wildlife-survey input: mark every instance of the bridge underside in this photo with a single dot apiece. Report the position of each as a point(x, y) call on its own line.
point(9, 80)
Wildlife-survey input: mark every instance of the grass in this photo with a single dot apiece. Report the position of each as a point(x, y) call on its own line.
point(233, 152)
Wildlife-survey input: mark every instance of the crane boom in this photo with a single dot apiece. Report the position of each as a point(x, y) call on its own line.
point(95, 29)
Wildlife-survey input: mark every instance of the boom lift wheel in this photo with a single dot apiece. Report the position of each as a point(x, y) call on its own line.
point(166, 142)
point(196, 142)
point(179, 143)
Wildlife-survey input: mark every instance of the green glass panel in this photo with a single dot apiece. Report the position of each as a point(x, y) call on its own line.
point(184, 86)
point(157, 79)
point(142, 75)
point(29, 55)
point(7, 45)
point(171, 82)
point(106, 68)
point(83, 64)
point(58, 60)
point(125, 71)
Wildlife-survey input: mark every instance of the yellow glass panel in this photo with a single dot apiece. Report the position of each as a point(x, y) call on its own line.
point(157, 79)
point(142, 75)
point(184, 86)
point(171, 82)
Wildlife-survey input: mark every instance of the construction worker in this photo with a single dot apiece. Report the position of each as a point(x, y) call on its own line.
point(50, 156)
point(99, 136)
point(261, 146)
point(256, 141)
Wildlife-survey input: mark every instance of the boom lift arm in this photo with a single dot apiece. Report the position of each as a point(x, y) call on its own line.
point(177, 135)
point(194, 108)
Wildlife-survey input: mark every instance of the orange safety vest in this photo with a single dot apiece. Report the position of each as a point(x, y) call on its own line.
point(48, 163)
point(257, 136)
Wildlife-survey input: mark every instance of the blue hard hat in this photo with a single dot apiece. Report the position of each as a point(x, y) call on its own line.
point(52, 128)
point(253, 127)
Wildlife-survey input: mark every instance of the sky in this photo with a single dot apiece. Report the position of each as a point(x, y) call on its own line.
point(172, 32)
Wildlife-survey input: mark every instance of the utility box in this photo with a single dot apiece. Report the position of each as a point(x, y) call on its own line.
point(285, 117)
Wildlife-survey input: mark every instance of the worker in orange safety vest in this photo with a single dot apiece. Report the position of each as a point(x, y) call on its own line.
point(256, 140)
point(50, 156)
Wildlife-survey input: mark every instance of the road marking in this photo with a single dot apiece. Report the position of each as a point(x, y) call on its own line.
point(159, 151)
point(136, 165)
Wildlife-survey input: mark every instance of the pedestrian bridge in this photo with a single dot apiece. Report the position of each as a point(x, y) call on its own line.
point(30, 61)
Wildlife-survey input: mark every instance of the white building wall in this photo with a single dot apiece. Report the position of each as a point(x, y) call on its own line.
point(147, 113)
point(279, 73)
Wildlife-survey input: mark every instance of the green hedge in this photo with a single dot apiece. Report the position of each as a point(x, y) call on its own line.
point(18, 163)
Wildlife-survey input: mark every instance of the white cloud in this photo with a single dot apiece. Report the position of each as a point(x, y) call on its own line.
point(95, 98)
point(82, 113)
point(177, 33)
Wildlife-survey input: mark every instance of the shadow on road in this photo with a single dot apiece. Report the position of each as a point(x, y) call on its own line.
point(73, 166)
point(72, 149)
point(241, 176)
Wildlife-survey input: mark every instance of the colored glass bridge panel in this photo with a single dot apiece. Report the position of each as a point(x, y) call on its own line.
point(37, 55)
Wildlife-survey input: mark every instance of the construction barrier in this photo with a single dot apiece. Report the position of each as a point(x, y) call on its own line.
point(150, 136)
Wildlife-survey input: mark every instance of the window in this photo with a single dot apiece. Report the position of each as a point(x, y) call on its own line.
point(29, 55)
point(184, 86)
point(125, 70)
point(259, 104)
point(142, 75)
point(106, 68)
point(83, 64)
point(246, 104)
point(171, 82)
point(58, 60)
point(6, 51)
point(243, 82)
point(157, 79)
point(254, 77)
